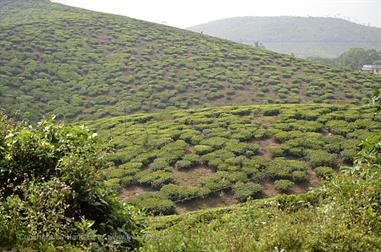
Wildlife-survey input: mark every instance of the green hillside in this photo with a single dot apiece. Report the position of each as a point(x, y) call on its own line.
point(193, 159)
point(80, 64)
point(305, 37)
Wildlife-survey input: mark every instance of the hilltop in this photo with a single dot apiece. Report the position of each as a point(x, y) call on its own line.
point(193, 159)
point(80, 64)
point(303, 36)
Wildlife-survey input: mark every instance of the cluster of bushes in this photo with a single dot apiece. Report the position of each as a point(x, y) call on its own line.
point(52, 193)
point(341, 216)
point(229, 142)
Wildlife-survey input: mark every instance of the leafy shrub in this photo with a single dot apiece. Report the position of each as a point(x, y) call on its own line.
point(193, 158)
point(283, 185)
point(183, 164)
point(131, 166)
point(324, 172)
point(215, 142)
point(299, 176)
point(176, 193)
point(281, 168)
point(159, 164)
point(56, 189)
point(202, 149)
point(116, 173)
point(276, 151)
point(244, 191)
point(348, 155)
point(155, 179)
point(222, 180)
point(321, 158)
point(271, 112)
point(153, 203)
point(338, 127)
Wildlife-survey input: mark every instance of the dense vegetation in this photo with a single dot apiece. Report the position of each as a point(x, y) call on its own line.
point(305, 37)
point(353, 59)
point(51, 195)
point(343, 215)
point(243, 152)
point(79, 64)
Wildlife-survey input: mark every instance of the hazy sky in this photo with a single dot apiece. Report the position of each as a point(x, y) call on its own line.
point(185, 13)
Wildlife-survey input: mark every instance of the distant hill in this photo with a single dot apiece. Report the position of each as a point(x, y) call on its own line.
point(303, 36)
point(81, 64)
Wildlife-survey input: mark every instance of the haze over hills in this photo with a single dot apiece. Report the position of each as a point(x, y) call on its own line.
point(81, 64)
point(303, 36)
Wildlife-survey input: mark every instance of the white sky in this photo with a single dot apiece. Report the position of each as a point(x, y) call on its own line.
point(185, 13)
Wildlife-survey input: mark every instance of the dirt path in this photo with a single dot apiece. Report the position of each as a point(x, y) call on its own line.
point(302, 94)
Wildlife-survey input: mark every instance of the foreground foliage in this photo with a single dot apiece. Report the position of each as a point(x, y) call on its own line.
point(51, 194)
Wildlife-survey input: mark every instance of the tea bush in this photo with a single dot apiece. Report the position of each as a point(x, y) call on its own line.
point(283, 185)
point(245, 191)
point(325, 172)
point(200, 148)
point(176, 193)
point(321, 158)
point(153, 203)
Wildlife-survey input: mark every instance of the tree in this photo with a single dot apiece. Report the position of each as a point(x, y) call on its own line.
point(50, 187)
point(355, 58)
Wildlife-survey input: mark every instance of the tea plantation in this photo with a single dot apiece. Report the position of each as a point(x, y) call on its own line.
point(192, 159)
point(79, 64)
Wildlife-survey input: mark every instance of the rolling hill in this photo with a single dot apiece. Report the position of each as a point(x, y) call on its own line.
point(303, 36)
point(186, 160)
point(81, 64)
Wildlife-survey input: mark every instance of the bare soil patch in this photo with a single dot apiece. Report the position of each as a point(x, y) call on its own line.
point(296, 188)
point(133, 191)
point(191, 177)
point(269, 189)
point(314, 180)
point(265, 145)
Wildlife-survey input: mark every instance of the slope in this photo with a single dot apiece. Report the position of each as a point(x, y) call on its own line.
point(194, 159)
point(80, 64)
point(341, 216)
point(305, 37)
